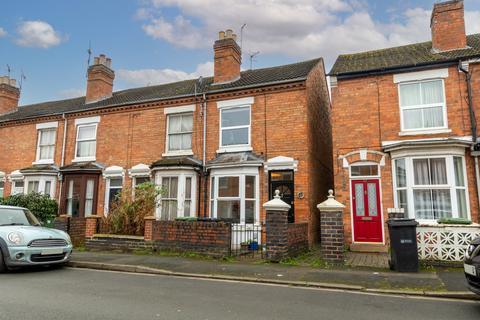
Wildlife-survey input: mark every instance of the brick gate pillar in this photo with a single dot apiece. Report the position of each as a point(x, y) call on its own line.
point(148, 232)
point(276, 224)
point(91, 226)
point(331, 229)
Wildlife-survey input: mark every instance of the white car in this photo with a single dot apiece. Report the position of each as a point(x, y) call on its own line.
point(24, 242)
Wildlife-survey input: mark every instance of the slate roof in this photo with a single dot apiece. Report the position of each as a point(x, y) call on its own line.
point(235, 159)
point(83, 166)
point(44, 168)
point(412, 55)
point(176, 161)
point(248, 79)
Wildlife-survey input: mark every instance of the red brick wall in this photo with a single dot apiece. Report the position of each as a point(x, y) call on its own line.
point(448, 26)
point(366, 112)
point(209, 238)
point(289, 120)
point(297, 238)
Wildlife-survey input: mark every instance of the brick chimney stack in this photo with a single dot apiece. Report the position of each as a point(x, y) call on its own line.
point(448, 26)
point(100, 79)
point(9, 95)
point(227, 57)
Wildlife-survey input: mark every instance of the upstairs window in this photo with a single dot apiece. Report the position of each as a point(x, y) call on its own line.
point(46, 145)
point(180, 128)
point(235, 127)
point(86, 141)
point(422, 105)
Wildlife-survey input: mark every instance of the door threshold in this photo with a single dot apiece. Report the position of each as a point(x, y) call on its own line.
point(368, 247)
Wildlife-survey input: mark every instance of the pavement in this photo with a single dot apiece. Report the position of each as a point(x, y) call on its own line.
point(438, 283)
point(83, 294)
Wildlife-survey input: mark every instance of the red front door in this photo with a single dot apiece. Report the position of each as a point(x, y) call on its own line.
point(367, 218)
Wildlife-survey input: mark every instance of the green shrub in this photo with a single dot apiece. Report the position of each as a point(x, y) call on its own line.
point(127, 214)
point(41, 205)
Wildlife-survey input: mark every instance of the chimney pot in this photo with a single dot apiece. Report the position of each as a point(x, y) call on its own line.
point(228, 33)
point(221, 35)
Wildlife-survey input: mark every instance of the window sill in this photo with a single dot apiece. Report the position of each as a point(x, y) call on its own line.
point(86, 159)
point(234, 149)
point(177, 153)
point(420, 132)
point(43, 162)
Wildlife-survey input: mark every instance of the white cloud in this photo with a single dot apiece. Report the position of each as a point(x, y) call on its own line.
point(72, 93)
point(296, 28)
point(38, 34)
point(3, 33)
point(146, 77)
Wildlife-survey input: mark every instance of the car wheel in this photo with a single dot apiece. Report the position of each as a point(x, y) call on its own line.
point(2, 263)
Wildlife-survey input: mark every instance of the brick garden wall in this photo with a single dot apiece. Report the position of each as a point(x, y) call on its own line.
point(117, 243)
point(207, 238)
point(74, 226)
point(297, 238)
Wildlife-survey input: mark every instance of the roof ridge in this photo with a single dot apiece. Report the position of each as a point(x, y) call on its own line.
point(399, 47)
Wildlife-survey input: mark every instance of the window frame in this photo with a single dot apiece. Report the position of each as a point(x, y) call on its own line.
point(169, 152)
point(235, 104)
point(87, 158)
point(422, 106)
point(241, 173)
point(181, 175)
point(451, 184)
point(40, 131)
point(108, 187)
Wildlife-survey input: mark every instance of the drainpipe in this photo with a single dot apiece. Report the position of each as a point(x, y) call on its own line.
point(473, 124)
point(204, 160)
point(62, 161)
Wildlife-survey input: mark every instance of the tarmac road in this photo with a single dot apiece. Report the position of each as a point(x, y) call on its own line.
point(88, 294)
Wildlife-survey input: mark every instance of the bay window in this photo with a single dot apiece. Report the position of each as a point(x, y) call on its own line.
point(235, 197)
point(178, 193)
point(2, 187)
point(113, 190)
point(41, 184)
point(431, 188)
point(422, 105)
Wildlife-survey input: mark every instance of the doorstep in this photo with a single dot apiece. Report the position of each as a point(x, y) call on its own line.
point(368, 247)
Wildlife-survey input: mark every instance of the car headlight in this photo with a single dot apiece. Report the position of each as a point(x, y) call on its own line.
point(15, 237)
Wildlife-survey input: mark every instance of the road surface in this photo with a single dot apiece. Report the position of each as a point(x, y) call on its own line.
point(87, 294)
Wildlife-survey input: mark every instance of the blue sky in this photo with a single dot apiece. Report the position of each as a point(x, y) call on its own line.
point(157, 41)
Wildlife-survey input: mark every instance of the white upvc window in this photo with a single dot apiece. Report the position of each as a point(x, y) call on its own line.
point(86, 142)
point(17, 186)
point(40, 184)
point(235, 125)
point(235, 195)
point(46, 145)
point(86, 139)
point(429, 188)
point(179, 133)
point(422, 105)
point(178, 194)
point(113, 189)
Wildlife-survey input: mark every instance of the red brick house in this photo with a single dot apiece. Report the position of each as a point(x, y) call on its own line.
point(220, 145)
point(404, 123)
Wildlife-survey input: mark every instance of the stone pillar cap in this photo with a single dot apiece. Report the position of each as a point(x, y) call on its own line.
point(330, 204)
point(276, 204)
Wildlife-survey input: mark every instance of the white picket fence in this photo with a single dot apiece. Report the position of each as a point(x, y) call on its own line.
point(445, 242)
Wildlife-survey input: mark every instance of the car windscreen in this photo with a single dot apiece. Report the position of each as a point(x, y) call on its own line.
point(10, 217)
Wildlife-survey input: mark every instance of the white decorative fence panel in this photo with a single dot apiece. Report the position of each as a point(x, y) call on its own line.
point(445, 242)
